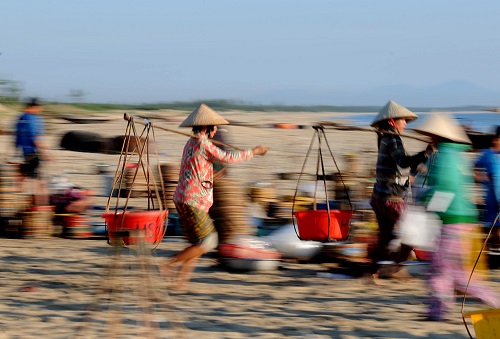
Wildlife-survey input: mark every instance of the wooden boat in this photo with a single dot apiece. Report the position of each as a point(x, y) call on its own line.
point(84, 119)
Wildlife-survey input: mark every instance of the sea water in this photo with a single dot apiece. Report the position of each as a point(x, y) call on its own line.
point(476, 121)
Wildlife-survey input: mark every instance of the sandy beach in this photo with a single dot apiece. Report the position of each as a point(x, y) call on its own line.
point(53, 288)
point(63, 288)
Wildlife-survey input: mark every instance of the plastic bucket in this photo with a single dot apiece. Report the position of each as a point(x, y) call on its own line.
point(247, 252)
point(422, 255)
point(486, 323)
point(313, 224)
point(76, 226)
point(152, 223)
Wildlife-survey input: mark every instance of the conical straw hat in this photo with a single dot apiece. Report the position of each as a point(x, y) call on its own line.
point(442, 125)
point(203, 116)
point(393, 110)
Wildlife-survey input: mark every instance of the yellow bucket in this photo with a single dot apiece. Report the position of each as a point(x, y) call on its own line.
point(486, 323)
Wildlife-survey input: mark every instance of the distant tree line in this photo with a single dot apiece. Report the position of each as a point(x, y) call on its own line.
point(226, 105)
point(11, 93)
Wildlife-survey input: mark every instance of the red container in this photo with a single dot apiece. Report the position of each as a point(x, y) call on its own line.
point(422, 255)
point(76, 226)
point(151, 222)
point(313, 224)
point(247, 252)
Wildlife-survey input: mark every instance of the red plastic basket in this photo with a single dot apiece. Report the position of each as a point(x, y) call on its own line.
point(422, 255)
point(313, 225)
point(237, 251)
point(152, 222)
point(76, 226)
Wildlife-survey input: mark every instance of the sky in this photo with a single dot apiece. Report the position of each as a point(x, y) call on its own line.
point(296, 52)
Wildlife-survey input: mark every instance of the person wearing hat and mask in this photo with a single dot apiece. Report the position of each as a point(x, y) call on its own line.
point(193, 196)
point(391, 188)
point(451, 179)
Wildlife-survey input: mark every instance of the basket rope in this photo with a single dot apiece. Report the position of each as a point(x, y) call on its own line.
point(319, 134)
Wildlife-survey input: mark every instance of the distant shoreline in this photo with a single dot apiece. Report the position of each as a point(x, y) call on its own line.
point(227, 105)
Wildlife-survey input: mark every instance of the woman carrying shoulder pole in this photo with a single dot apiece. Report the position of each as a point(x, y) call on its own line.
point(193, 196)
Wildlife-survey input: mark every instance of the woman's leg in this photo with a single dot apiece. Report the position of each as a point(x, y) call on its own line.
point(188, 253)
point(181, 259)
point(475, 288)
point(188, 257)
point(185, 273)
point(387, 214)
point(440, 285)
point(446, 265)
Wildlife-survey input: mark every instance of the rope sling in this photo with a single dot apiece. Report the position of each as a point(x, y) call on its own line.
point(319, 135)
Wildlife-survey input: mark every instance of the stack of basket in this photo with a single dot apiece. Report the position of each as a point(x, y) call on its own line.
point(144, 182)
point(11, 201)
point(229, 210)
point(170, 175)
point(352, 182)
point(8, 191)
point(37, 222)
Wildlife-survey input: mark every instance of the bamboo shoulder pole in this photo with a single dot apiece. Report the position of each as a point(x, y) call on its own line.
point(129, 117)
point(342, 127)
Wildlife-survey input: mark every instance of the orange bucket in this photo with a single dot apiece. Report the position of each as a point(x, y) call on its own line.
point(76, 226)
point(151, 222)
point(313, 224)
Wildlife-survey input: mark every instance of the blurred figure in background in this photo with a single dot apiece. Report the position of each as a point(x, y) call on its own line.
point(68, 198)
point(29, 139)
point(193, 196)
point(451, 180)
point(392, 186)
point(488, 174)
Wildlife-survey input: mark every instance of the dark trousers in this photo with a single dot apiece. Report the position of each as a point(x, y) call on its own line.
point(388, 213)
point(30, 166)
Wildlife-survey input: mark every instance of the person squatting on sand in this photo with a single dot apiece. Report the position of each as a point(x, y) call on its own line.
point(450, 178)
point(392, 186)
point(193, 196)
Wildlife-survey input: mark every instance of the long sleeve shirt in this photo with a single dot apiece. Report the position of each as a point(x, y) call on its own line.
point(393, 167)
point(29, 128)
point(452, 172)
point(490, 162)
point(196, 175)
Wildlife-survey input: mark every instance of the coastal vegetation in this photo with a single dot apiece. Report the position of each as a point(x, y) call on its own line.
point(11, 92)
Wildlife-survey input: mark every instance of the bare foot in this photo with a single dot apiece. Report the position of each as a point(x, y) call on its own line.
point(369, 279)
point(402, 274)
point(180, 287)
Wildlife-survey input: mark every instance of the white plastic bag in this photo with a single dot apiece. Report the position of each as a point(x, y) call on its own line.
point(419, 228)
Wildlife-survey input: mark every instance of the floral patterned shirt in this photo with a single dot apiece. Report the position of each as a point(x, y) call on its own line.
point(196, 175)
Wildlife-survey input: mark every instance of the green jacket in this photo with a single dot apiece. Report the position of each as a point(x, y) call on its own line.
point(452, 171)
